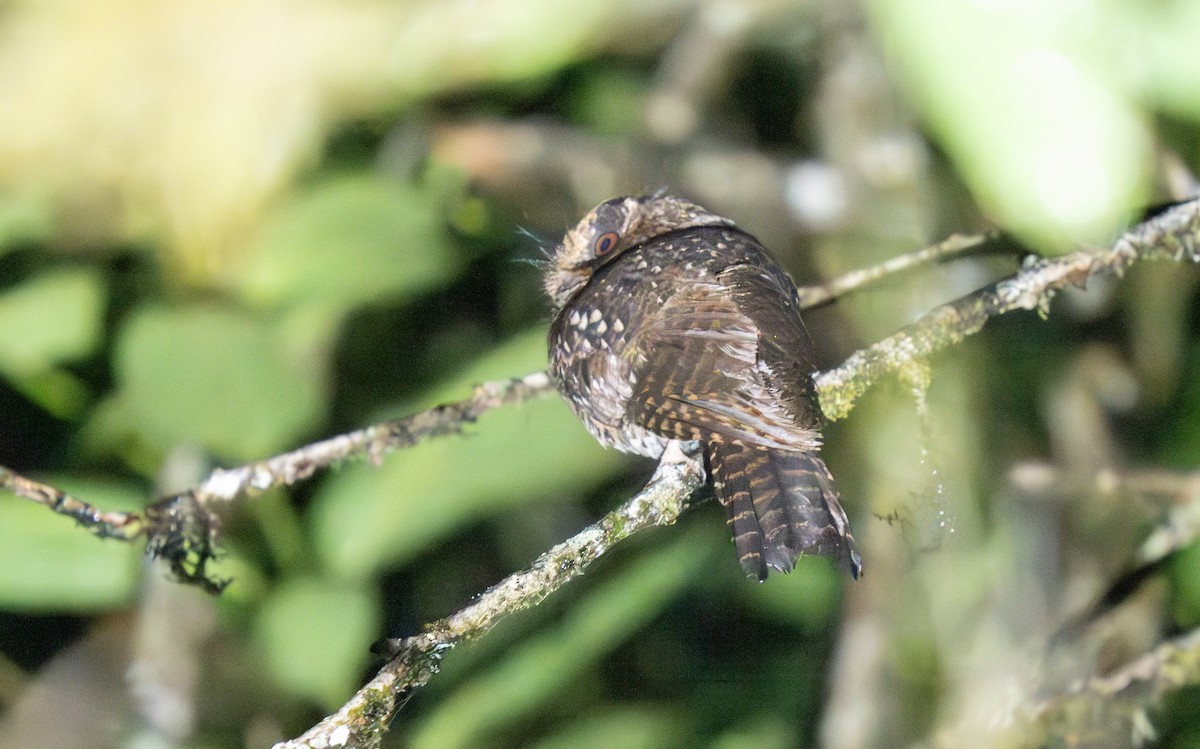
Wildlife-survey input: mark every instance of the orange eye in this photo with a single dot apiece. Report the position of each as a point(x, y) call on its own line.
point(605, 243)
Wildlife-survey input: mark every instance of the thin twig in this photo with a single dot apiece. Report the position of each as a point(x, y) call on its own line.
point(361, 721)
point(1171, 665)
point(955, 244)
point(1174, 493)
point(374, 441)
point(123, 526)
point(183, 528)
point(1114, 709)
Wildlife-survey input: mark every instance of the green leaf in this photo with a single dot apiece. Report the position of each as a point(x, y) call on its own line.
point(24, 217)
point(48, 563)
point(242, 386)
point(316, 636)
point(766, 731)
point(349, 240)
point(1161, 38)
point(436, 50)
point(366, 519)
point(1185, 586)
point(51, 318)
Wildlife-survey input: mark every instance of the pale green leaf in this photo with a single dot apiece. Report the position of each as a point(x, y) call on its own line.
point(1026, 100)
point(53, 317)
point(349, 240)
point(316, 636)
point(228, 380)
point(24, 217)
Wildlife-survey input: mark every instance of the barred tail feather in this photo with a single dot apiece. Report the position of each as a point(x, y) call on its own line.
point(781, 505)
point(730, 468)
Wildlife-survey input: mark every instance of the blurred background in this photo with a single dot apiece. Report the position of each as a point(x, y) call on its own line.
point(231, 228)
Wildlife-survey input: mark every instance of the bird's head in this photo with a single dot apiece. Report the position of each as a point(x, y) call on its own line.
point(611, 228)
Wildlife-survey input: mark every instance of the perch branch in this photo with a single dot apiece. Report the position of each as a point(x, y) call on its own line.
point(374, 441)
point(1173, 234)
point(361, 722)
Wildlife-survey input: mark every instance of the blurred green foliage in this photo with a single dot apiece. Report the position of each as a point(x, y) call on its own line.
point(231, 381)
point(346, 241)
point(52, 318)
point(50, 565)
point(228, 228)
point(313, 633)
point(1043, 120)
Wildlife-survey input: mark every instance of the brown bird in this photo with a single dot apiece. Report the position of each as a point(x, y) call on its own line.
point(671, 324)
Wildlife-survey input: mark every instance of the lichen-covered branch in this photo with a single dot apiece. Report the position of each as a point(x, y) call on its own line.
point(1173, 234)
point(361, 721)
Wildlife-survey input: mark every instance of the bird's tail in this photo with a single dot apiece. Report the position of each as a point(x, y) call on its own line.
point(781, 505)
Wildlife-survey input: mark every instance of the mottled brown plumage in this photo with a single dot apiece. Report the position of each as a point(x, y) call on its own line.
point(673, 324)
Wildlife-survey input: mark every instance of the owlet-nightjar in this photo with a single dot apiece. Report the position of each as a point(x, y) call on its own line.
point(671, 323)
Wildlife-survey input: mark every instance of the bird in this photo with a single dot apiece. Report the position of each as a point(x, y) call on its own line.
point(671, 324)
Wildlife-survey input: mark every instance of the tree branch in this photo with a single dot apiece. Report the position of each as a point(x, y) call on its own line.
point(361, 721)
point(123, 526)
point(1172, 235)
point(183, 528)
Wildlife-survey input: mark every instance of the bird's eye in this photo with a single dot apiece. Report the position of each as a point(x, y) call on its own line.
point(605, 243)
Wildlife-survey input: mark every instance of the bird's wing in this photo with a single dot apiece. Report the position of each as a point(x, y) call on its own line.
point(724, 359)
